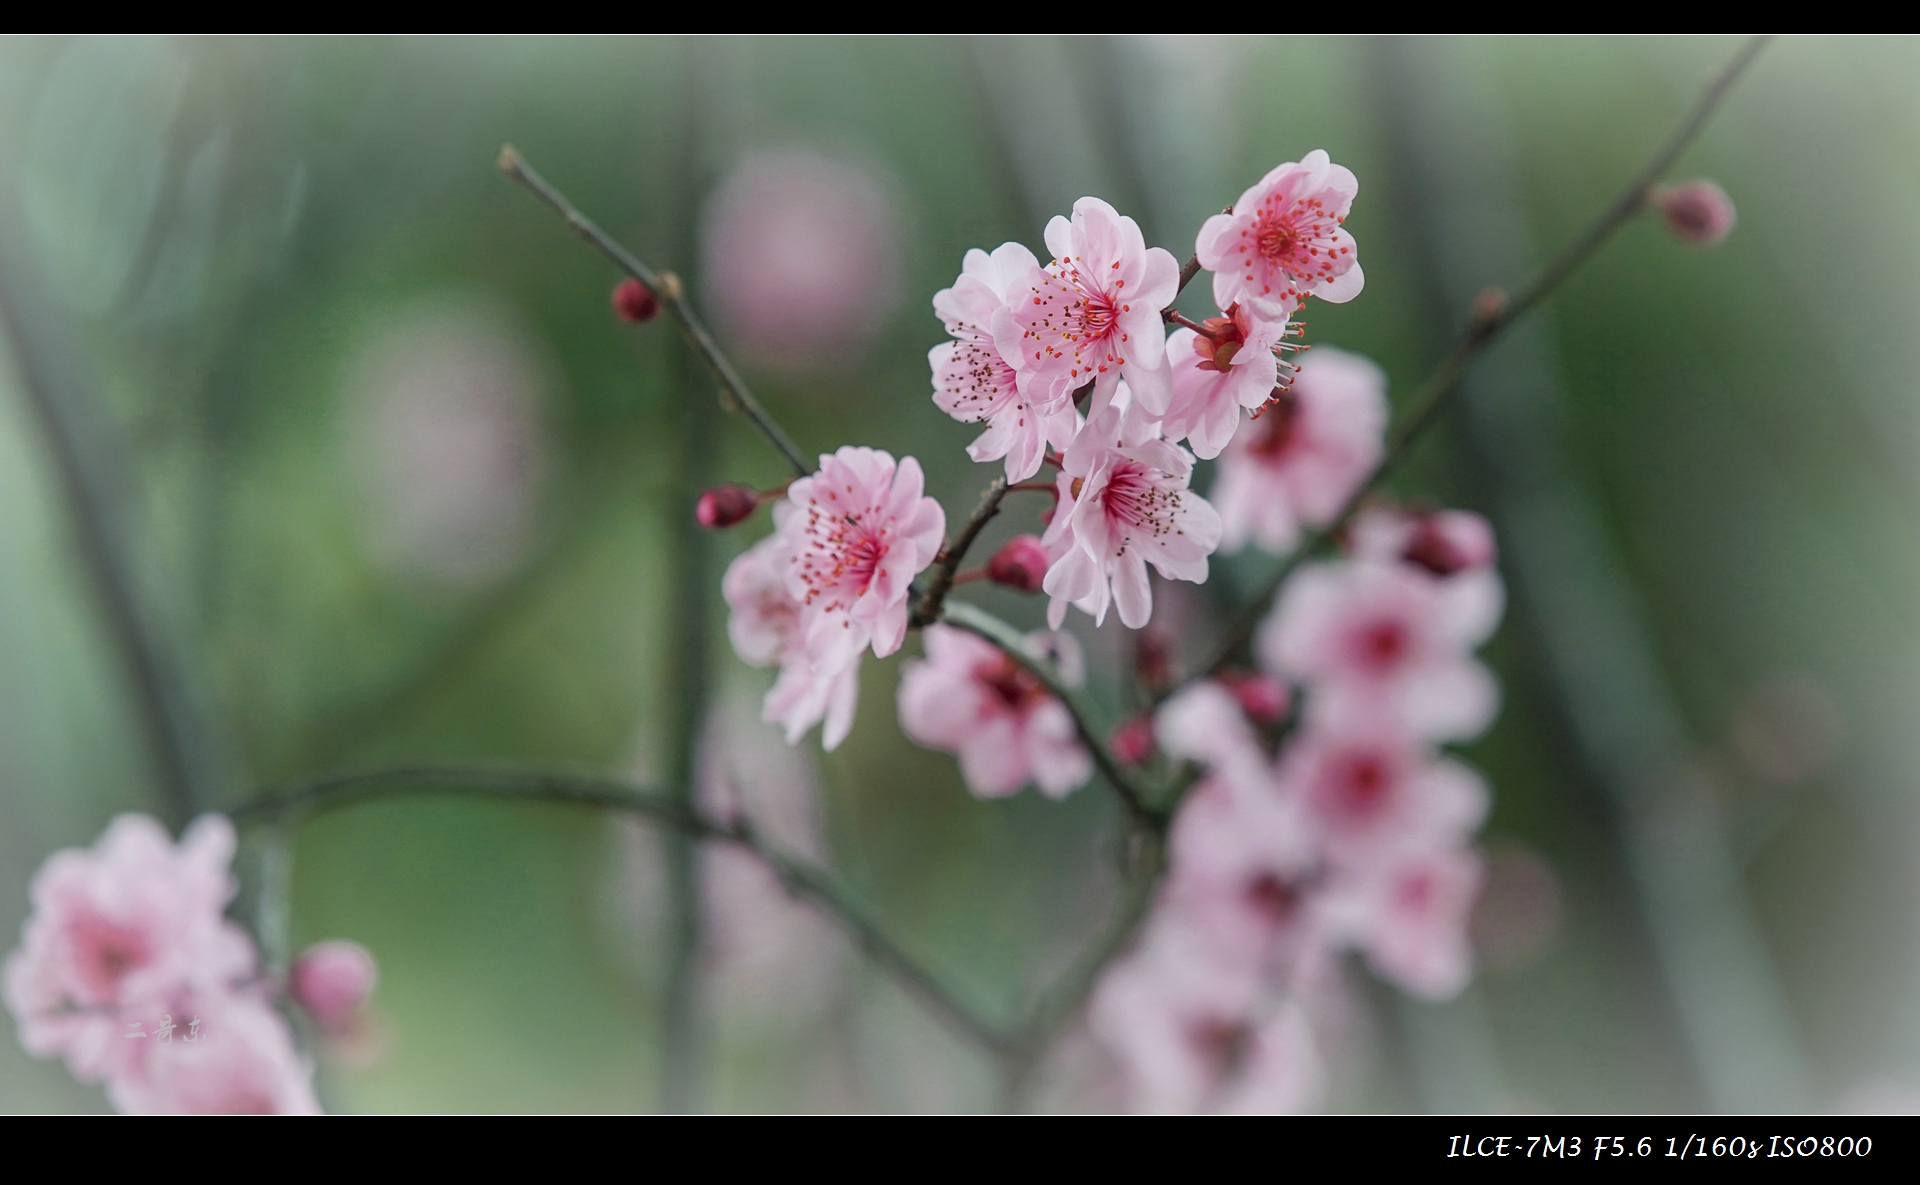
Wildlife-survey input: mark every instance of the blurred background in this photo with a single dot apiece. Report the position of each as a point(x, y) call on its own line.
point(394, 484)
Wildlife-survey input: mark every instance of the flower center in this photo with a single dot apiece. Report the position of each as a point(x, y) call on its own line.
point(1271, 897)
point(108, 952)
point(1278, 421)
point(1219, 1043)
point(1096, 316)
point(1382, 645)
point(1013, 686)
point(1364, 781)
point(844, 557)
point(1131, 498)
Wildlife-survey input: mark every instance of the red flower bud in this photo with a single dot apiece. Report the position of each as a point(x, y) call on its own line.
point(1153, 657)
point(1697, 212)
point(1265, 699)
point(1132, 741)
point(1021, 564)
point(635, 303)
point(723, 506)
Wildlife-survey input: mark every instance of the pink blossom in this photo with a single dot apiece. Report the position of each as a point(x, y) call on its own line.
point(800, 255)
point(969, 698)
point(1697, 212)
point(764, 625)
point(1215, 377)
point(1191, 1038)
point(131, 921)
point(863, 532)
point(1441, 541)
point(229, 1054)
point(1409, 911)
point(1124, 503)
point(1283, 240)
point(973, 383)
point(1298, 461)
point(333, 981)
point(1365, 784)
point(1265, 699)
point(1370, 637)
point(1093, 314)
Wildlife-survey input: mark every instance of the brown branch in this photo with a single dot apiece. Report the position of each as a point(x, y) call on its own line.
point(667, 288)
point(926, 610)
point(1492, 316)
point(287, 806)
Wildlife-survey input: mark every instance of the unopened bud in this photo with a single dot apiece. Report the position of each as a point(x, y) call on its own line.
point(635, 302)
point(1450, 541)
point(1132, 741)
point(1265, 699)
point(1697, 212)
point(723, 506)
point(1153, 658)
point(333, 980)
point(1021, 564)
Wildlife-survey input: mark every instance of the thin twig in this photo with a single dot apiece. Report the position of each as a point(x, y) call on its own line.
point(1491, 318)
point(667, 288)
point(289, 805)
point(926, 610)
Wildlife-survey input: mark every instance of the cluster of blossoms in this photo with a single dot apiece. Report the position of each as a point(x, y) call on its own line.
point(129, 970)
point(1325, 818)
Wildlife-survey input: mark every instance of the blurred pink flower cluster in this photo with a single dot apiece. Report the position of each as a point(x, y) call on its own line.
point(129, 970)
point(1344, 828)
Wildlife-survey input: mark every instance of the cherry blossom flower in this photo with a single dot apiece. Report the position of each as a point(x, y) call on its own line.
point(238, 1059)
point(1387, 637)
point(130, 921)
point(974, 383)
point(764, 625)
point(1192, 1037)
point(1441, 541)
point(1301, 458)
point(1283, 240)
point(1215, 377)
point(1409, 912)
point(333, 981)
point(1366, 784)
point(970, 698)
point(863, 532)
point(1124, 503)
point(1093, 314)
point(1021, 563)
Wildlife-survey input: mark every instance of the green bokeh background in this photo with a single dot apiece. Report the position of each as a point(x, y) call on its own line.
point(217, 226)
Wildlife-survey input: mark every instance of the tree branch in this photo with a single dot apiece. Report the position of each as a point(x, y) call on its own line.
point(667, 288)
point(1492, 316)
point(287, 806)
point(927, 610)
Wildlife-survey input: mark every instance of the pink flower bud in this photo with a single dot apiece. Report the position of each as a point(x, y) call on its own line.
point(635, 303)
point(1449, 541)
point(333, 980)
point(1132, 741)
point(1697, 212)
point(723, 506)
point(1021, 564)
point(1265, 699)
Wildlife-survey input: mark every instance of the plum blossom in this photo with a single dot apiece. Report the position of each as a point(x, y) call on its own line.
point(863, 532)
point(126, 923)
point(970, 698)
point(1409, 911)
point(1124, 503)
point(1215, 377)
point(1388, 637)
point(1093, 314)
point(1283, 241)
point(974, 383)
point(1365, 783)
point(764, 625)
point(1441, 541)
point(128, 969)
point(1297, 462)
point(242, 1061)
